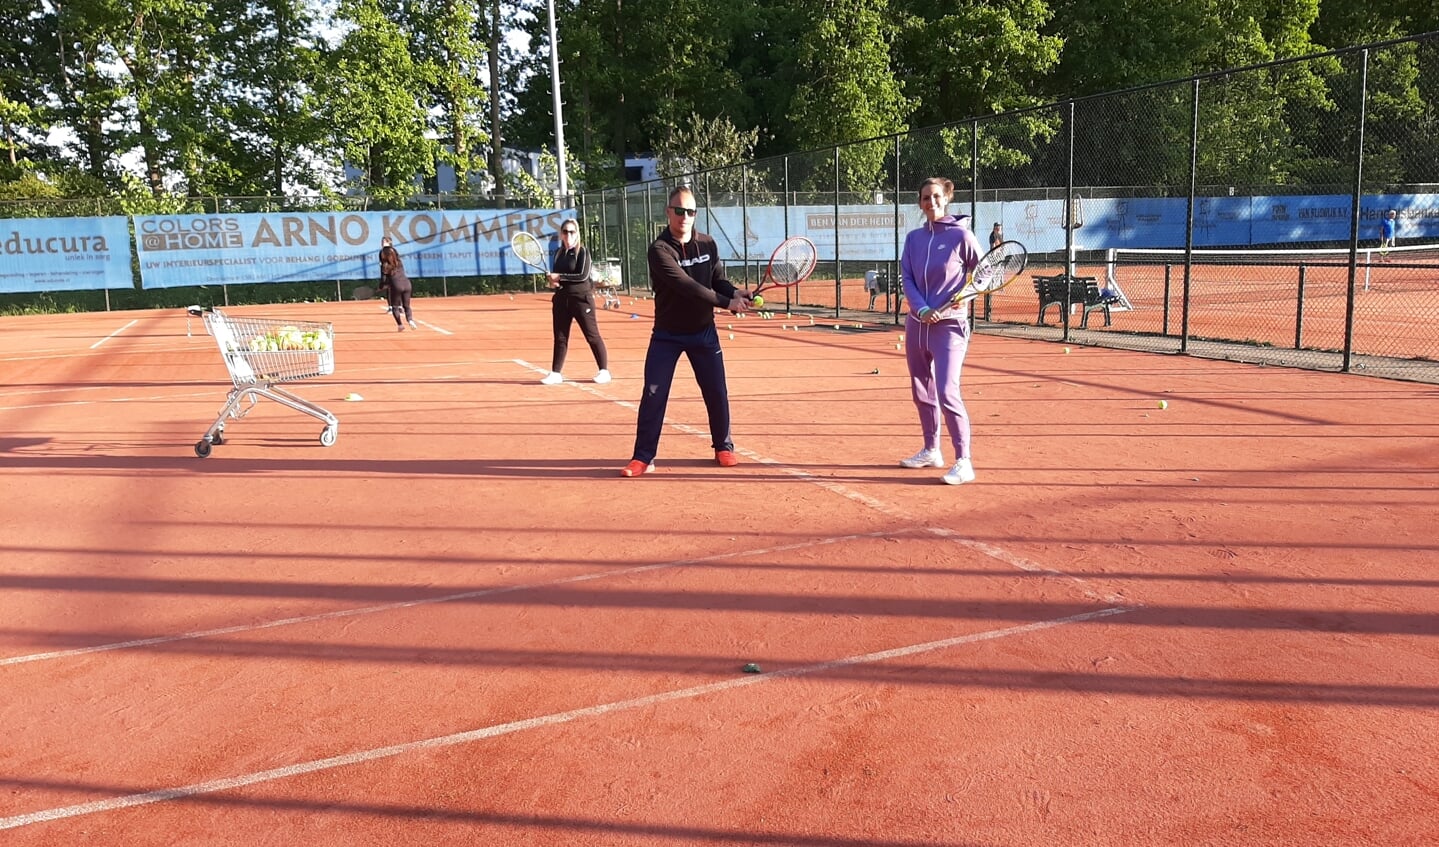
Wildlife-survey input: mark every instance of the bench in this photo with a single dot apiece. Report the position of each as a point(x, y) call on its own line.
point(1061, 290)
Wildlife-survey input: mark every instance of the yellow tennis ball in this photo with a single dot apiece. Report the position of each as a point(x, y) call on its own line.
point(759, 301)
point(1164, 404)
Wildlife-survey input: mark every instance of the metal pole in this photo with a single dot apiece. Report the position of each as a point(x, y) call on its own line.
point(1068, 218)
point(744, 218)
point(974, 199)
point(838, 282)
point(564, 188)
point(1189, 221)
point(624, 245)
point(787, 304)
point(892, 277)
point(1355, 200)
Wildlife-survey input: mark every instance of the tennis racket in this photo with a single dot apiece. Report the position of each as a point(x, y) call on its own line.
point(790, 264)
point(363, 292)
point(996, 269)
point(529, 250)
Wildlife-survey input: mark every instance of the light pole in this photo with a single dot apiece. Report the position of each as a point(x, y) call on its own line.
point(564, 190)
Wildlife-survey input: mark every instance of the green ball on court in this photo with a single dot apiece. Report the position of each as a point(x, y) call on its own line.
point(1164, 404)
point(751, 668)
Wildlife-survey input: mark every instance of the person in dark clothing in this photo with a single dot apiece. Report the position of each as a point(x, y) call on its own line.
point(689, 283)
point(396, 284)
point(574, 301)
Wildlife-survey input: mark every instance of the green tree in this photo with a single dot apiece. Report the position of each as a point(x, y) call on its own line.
point(962, 60)
point(847, 91)
point(374, 97)
point(697, 144)
point(450, 37)
point(27, 70)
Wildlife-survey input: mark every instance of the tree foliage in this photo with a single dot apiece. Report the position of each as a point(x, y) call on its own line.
point(239, 97)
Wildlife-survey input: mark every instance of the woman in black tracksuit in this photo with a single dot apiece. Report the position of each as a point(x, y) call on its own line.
point(396, 283)
point(574, 301)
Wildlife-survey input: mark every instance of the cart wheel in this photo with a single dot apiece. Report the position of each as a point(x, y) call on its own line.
point(327, 436)
point(202, 448)
point(218, 438)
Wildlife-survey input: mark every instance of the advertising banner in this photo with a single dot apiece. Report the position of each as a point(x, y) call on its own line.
point(64, 254)
point(176, 250)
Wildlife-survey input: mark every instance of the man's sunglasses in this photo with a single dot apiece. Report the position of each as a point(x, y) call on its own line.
point(683, 212)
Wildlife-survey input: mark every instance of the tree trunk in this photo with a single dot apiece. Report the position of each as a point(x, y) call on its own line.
point(497, 153)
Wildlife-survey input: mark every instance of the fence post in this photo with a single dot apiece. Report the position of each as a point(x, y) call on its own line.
point(788, 291)
point(838, 281)
point(624, 245)
point(892, 278)
point(1356, 199)
point(1068, 217)
point(974, 199)
point(1299, 311)
point(744, 218)
point(1189, 218)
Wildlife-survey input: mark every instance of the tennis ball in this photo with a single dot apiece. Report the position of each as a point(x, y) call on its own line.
point(758, 301)
point(1066, 351)
point(731, 336)
point(751, 668)
point(1164, 404)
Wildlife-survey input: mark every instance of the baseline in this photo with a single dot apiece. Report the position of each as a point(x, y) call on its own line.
point(459, 738)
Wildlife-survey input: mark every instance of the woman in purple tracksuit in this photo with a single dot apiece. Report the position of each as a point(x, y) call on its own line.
point(937, 260)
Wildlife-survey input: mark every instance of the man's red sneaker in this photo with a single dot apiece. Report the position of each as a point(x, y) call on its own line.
point(726, 458)
point(636, 468)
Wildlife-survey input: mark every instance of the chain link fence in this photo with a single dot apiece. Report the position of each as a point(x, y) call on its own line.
point(1235, 215)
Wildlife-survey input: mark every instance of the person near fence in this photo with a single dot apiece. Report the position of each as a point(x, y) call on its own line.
point(689, 283)
point(937, 259)
point(574, 302)
point(871, 284)
point(1388, 229)
point(996, 235)
point(396, 284)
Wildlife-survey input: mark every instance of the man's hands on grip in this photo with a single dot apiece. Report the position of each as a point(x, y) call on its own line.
point(741, 302)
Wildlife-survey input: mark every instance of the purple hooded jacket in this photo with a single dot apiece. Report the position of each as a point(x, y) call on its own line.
point(937, 260)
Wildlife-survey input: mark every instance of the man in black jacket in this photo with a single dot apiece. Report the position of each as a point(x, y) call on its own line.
point(689, 282)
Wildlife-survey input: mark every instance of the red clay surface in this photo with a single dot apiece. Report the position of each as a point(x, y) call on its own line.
point(1251, 304)
point(1213, 624)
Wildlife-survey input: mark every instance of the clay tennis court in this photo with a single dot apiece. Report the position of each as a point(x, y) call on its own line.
point(1211, 624)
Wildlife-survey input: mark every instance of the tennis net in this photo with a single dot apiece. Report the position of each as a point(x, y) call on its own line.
point(1403, 268)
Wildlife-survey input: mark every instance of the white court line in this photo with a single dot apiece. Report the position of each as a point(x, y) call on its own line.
point(426, 601)
point(881, 506)
point(150, 399)
point(556, 718)
point(115, 333)
point(435, 328)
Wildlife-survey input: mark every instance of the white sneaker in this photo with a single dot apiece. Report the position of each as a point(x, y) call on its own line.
point(552, 378)
point(961, 473)
point(924, 459)
point(602, 377)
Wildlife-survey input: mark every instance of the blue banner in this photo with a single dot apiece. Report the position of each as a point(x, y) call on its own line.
point(176, 250)
point(64, 254)
point(867, 233)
